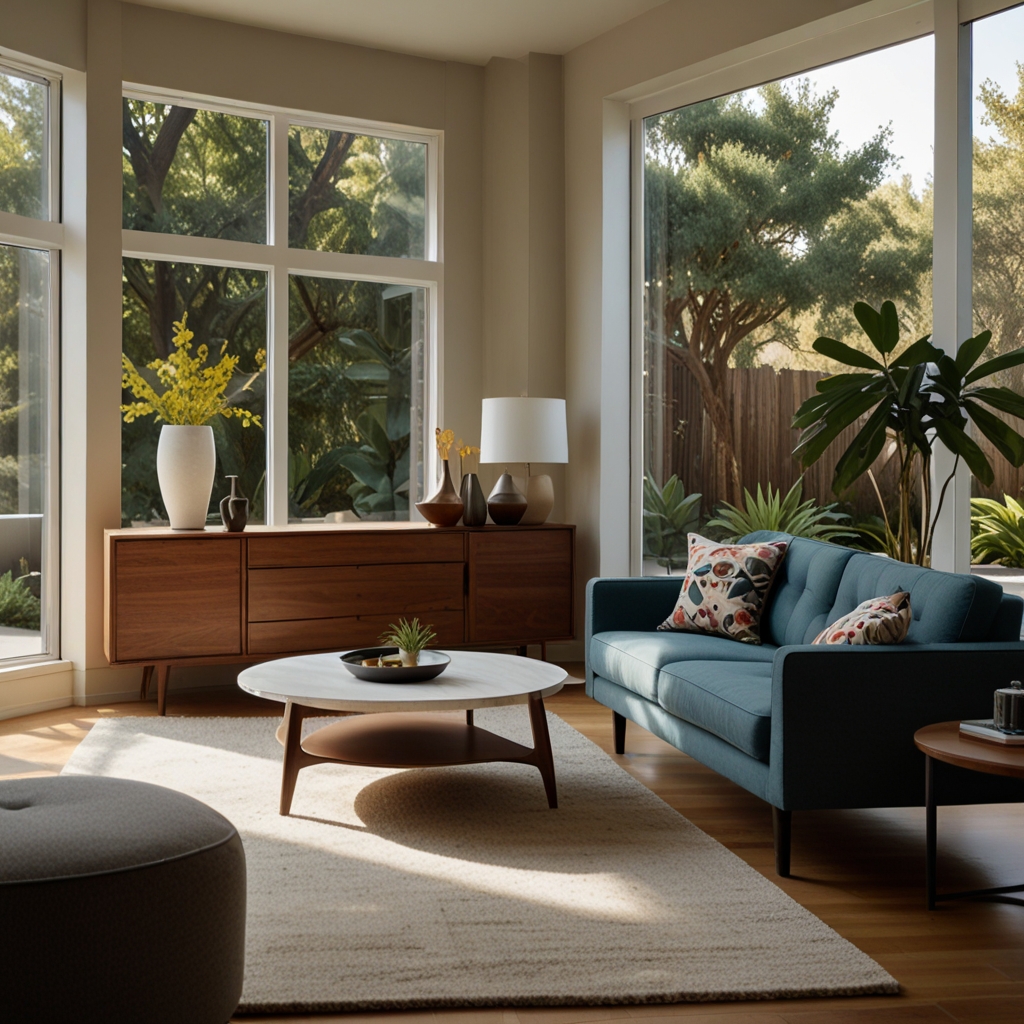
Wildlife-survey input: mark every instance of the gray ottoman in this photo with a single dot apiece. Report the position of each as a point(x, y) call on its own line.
point(119, 902)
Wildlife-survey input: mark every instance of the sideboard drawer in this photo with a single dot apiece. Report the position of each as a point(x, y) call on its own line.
point(345, 633)
point(177, 598)
point(356, 549)
point(355, 590)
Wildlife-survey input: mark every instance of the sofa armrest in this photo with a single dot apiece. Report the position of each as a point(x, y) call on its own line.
point(844, 718)
point(627, 602)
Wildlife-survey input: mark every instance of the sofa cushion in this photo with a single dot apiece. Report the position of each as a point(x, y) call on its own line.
point(805, 588)
point(882, 620)
point(634, 659)
point(733, 700)
point(725, 588)
point(946, 607)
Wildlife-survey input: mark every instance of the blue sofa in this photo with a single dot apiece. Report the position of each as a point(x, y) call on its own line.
point(806, 727)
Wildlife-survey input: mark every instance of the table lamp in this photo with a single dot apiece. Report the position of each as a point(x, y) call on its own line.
point(525, 430)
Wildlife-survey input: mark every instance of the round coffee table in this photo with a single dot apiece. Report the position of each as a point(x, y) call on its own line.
point(405, 737)
point(943, 742)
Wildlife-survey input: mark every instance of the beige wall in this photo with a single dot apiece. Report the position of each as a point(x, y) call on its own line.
point(53, 31)
point(661, 41)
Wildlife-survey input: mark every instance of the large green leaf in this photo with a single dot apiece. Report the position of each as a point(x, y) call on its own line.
point(881, 326)
point(922, 351)
point(862, 452)
point(843, 380)
point(843, 353)
point(814, 441)
point(1009, 443)
point(367, 468)
point(958, 442)
point(1003, 399)
point(970, 351)
point(990, 366)
point(367, 371)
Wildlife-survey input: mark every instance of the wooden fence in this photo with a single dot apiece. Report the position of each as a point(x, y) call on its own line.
point(764, 401)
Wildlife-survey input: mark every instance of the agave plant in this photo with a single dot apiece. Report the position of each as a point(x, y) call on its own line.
point(997, 531)
point(911, 398)
point(670, 514)
point(780, 514)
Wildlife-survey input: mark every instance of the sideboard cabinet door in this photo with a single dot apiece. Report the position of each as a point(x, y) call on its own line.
point(520, 585)
point(176, 598)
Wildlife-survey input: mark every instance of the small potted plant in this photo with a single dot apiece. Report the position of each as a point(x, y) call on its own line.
point(410, 638)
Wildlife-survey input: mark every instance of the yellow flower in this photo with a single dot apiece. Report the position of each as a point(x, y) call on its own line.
point(193, 393)
point(445, 440)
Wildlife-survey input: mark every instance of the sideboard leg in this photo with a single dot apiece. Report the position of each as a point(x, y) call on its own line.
point(147, 675)
point(162, 672)
point(782, 829)
point(469, 716)
point(542, 748)
point(619, 728)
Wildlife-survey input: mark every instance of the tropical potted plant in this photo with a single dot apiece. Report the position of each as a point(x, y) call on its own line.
point(910, 399)
point(186, 394)
point(410, 638)
point(670, 514)
point(780, 514)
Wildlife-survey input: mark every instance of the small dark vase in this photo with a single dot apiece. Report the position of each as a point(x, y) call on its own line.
point(474, 506)
point(506, 503)
point(445, 507)
point(234, 508)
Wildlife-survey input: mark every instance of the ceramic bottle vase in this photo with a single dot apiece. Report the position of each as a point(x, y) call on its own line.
point(234, 508)
point(445, 507)
point(186, 461)
point(474, 505)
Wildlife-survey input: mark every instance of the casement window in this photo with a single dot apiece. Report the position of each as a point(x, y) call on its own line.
point(308, 247)
point(30, 244)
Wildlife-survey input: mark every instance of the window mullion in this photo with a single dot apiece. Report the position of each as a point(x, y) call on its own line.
point(277, 312)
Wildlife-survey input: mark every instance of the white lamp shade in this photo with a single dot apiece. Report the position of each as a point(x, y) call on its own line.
point(523, 430)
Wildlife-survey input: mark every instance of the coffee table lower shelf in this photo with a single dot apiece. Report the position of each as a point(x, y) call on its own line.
point(408, 740)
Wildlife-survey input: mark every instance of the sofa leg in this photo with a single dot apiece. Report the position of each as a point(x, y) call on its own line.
point(782, 827)
point(619, 725)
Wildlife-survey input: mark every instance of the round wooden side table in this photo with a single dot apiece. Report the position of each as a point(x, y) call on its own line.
point(943, 742)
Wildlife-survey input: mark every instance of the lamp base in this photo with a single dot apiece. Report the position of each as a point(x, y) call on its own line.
point(505, 503)
point(540, 498)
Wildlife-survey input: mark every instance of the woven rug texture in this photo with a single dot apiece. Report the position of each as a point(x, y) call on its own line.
point(445, 887)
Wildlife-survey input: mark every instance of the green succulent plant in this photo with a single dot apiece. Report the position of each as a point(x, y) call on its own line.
point(787, 514)
point(670, 514)
point(408, 636)
point(997, 531)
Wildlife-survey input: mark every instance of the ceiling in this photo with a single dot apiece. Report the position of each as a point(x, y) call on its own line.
point(465, 30)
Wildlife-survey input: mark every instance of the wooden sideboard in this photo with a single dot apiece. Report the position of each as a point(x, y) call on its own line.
point(201, 597)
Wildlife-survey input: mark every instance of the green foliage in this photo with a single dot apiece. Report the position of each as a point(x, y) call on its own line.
point(755, 211)
point(670, 514)
point(997, 531)
point(19, 607)
point(408, 636)
point(912, 397)
point(22, 146)
point(787, 514)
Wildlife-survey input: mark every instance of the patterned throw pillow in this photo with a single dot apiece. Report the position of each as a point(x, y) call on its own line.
point(881, 620)
point(725, 588)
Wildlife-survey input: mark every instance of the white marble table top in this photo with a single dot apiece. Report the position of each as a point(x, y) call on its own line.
point(474, 679)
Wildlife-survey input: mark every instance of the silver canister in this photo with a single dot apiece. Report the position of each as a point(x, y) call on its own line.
point(1008, 711)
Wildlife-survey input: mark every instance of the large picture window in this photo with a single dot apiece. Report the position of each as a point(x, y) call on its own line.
point(29, 281)
point(310, 252)
point(766, 214)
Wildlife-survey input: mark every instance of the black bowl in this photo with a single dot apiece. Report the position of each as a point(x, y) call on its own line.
point(432, 663)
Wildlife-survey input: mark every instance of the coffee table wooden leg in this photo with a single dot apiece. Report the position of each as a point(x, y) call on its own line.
point(295, 758)
point(542, 748)
point(930, 827)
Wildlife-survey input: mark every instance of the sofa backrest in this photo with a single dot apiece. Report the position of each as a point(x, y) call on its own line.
point(946, 607)
point(818, 582)
point(805, 589)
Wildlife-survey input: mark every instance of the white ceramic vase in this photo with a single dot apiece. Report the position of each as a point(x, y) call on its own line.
point(186, 461)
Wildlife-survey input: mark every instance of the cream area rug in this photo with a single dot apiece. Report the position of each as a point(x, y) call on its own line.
point(449, 887)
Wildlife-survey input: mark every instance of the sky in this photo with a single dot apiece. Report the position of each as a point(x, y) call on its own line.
point(894, 87)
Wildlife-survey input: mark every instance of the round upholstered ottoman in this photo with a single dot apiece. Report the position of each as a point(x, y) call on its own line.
point(119, 902)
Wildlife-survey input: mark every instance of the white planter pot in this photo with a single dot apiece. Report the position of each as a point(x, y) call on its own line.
point(186, 461)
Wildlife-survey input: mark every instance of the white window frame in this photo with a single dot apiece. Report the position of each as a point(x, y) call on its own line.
point(279, 261)
point(46, 236)
point(871, 26)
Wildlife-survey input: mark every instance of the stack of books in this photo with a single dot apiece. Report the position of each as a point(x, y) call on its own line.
point(985, 729)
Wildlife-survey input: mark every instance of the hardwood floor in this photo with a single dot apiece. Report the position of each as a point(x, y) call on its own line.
point(862, 872)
